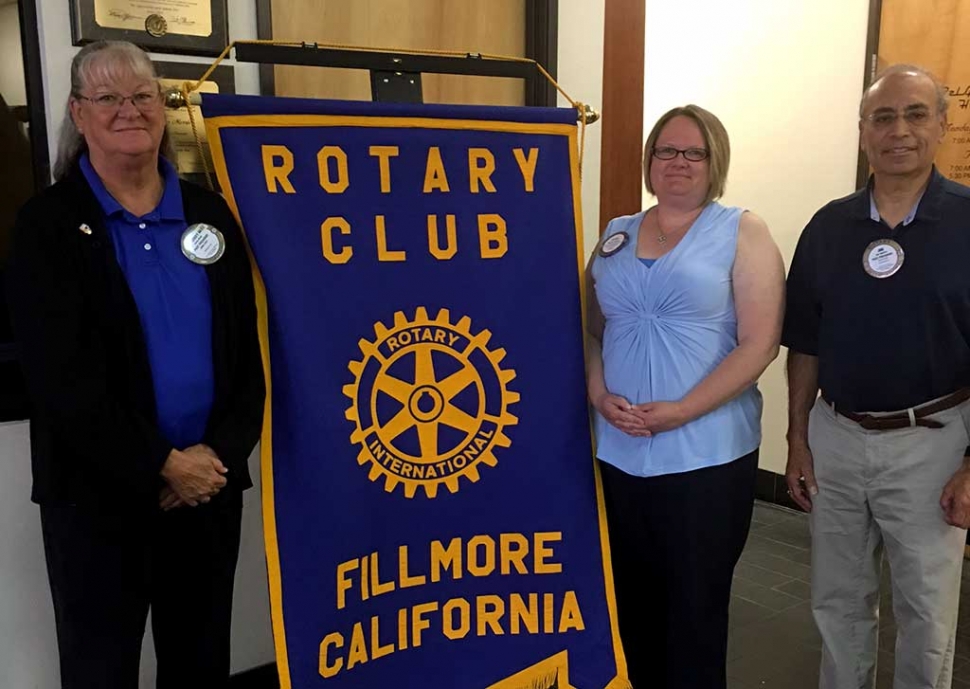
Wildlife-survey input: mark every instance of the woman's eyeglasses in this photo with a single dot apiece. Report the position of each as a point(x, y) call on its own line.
point(695, 155)
point(143, 100)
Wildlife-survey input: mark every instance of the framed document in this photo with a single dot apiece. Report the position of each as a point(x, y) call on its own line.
point(166, 26)
point(172, 75)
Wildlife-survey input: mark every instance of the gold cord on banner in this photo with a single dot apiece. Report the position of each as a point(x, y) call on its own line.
point(195, 131)
point(584, 114)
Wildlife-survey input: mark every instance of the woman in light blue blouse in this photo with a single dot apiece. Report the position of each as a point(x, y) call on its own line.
point(686, 310)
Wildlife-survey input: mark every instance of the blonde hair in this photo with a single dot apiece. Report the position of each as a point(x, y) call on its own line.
point(715, 139)
point(103, 61)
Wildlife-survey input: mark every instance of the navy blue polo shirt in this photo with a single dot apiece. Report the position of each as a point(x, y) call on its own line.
point(174, 305)
point(885, 344)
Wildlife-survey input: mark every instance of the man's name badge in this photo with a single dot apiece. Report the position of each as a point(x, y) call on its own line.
point(883, 258)
point(203, 244)
point(614, 243)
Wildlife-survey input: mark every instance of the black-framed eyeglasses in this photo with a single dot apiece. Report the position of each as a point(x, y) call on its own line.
point(695, 155)
point(885, 118)
point(143, 100)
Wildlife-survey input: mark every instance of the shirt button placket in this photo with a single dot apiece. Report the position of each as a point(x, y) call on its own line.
point(148, 237)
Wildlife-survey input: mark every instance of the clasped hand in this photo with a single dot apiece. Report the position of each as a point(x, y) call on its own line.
point(641, 420)
point(193, 476)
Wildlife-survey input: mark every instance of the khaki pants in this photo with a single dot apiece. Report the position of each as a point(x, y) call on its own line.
point(880, 490)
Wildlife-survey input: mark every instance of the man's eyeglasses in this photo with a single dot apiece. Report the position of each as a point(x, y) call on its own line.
point(914, 117)
point(143, 100)
point(695, 155)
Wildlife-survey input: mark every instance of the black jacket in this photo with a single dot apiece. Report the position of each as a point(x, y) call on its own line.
point(94, 434)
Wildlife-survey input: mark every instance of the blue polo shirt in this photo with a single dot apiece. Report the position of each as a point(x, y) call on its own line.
point(891, 343)
point(174, 305)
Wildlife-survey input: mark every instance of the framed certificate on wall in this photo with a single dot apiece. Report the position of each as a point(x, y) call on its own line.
point(197, 27)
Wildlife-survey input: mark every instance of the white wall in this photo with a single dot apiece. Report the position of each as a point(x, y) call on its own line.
point(11, 62)
point(27, 653)
point(785, 77)
point(580, 73)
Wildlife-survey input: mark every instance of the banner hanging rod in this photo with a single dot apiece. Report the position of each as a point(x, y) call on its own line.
point(312, 55)
point(395, 74)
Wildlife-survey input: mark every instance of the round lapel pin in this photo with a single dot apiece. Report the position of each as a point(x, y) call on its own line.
point(203, 244)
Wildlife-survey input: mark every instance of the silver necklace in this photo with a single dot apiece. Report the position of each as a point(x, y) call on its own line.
point(661, 235)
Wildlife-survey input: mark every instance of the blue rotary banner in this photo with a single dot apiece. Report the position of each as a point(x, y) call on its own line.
point(432, 513)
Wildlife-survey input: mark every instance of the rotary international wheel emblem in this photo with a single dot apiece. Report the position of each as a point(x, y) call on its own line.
point(430, 402)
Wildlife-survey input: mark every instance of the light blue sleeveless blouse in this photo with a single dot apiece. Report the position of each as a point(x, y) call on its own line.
point(667, 327)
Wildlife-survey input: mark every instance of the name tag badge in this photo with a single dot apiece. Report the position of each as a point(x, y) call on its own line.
point(613, 244)
point(203, 244)
point(883, 258)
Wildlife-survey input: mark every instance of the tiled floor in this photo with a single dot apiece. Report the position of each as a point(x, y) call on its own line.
point(773, 641)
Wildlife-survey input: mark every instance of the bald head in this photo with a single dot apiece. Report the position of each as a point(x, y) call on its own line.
point(897, 73)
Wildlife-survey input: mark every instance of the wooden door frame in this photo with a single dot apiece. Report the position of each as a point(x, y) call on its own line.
point(621, 162)
point(541, 45)
point(869, 75)
point(13, 395)
point(34, 82)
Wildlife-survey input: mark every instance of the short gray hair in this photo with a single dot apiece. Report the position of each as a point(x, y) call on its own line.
point(100, 61)
point(942, 93)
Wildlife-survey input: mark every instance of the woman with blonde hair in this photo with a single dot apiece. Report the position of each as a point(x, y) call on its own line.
point(685, 311)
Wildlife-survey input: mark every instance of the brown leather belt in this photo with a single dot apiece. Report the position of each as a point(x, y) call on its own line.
point(917, 416)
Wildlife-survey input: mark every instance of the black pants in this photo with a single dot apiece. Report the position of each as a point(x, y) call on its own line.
point(107, 568)
point(675, 540)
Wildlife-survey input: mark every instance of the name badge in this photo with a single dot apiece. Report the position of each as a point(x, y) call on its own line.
point(883, 258)
point(613, 244)
point(203, 244)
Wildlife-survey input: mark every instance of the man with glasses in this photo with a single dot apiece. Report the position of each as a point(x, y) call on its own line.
point(878, 321)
